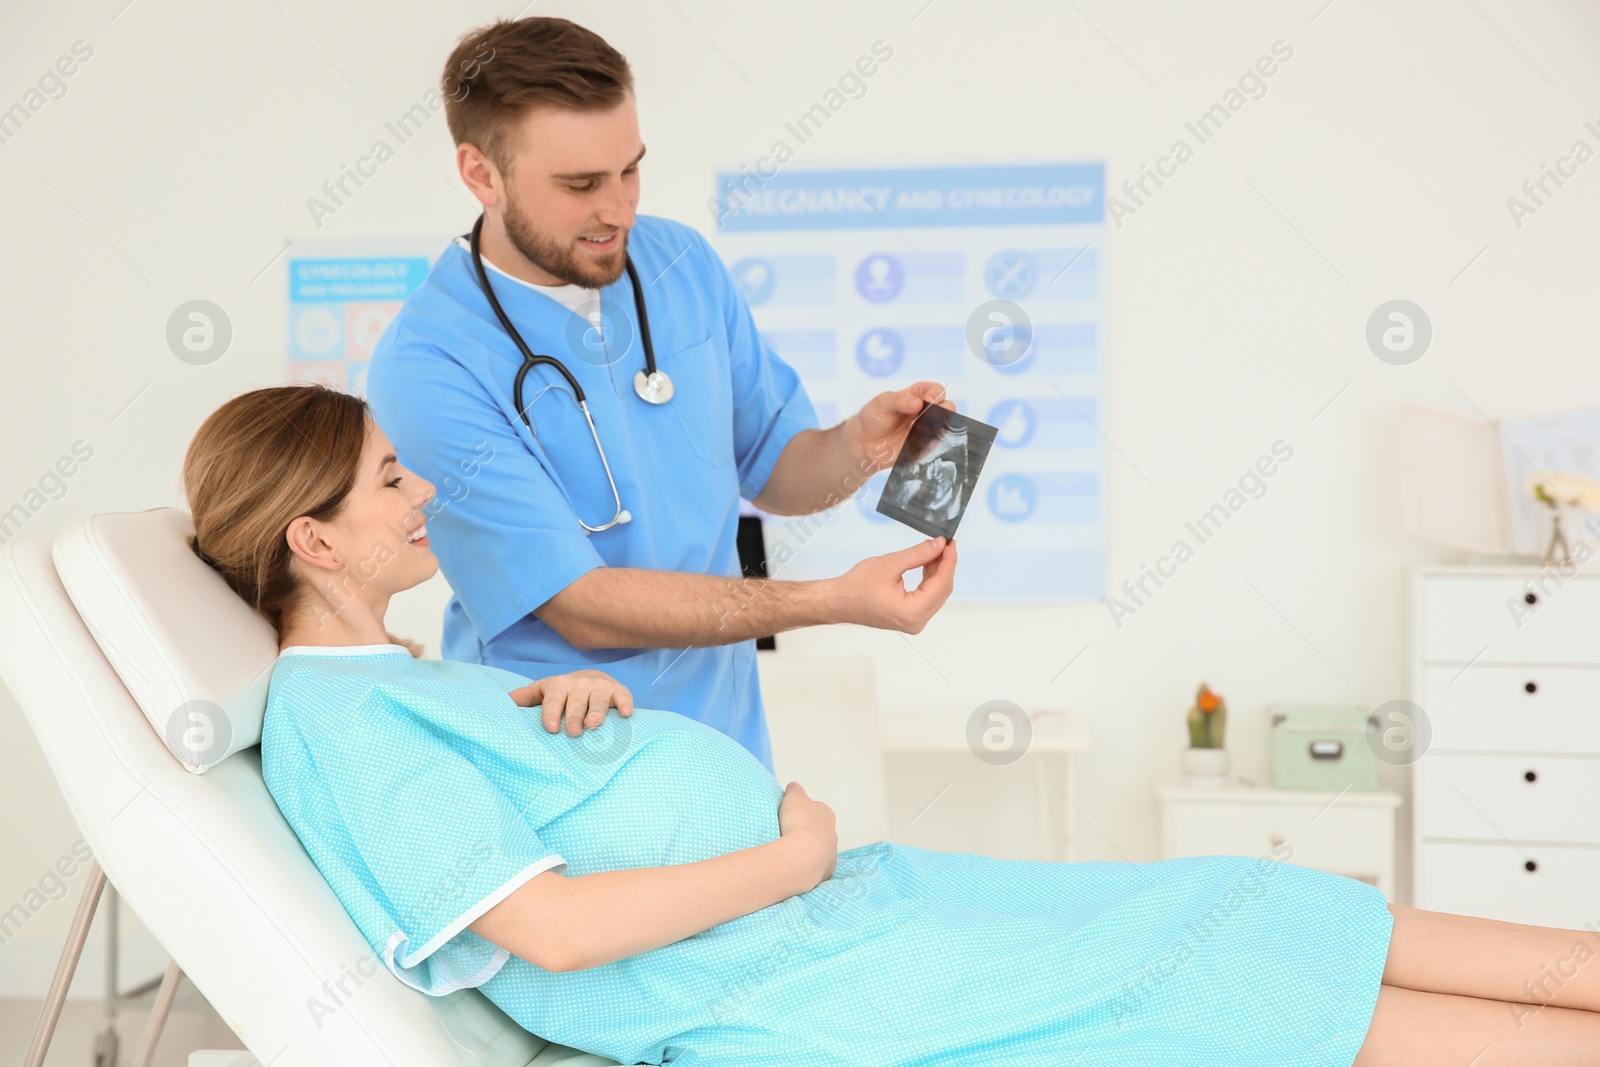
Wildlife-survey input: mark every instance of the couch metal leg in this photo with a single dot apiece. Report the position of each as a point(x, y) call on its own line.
point(110, 915)
point(108, 1041)
point(158, 1015)
point(57, 996)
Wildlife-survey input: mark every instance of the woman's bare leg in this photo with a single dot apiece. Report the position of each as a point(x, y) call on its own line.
point(1416, 1029)
point(1526, 966)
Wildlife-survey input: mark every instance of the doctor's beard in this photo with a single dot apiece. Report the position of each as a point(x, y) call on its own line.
point(562, 261)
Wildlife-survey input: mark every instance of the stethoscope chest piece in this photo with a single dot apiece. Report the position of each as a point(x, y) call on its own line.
point(654, 387)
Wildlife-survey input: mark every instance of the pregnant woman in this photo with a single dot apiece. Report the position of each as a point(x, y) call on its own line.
point(637, 885)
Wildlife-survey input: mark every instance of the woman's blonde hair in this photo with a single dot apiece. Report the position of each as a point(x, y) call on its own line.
point(258, 462)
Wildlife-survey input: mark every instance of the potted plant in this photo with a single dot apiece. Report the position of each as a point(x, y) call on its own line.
point(1205, 761)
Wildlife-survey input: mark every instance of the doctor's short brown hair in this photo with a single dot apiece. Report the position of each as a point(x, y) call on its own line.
point(498, 73)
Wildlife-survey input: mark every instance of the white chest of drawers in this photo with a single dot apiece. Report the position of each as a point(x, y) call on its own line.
point(1346, 833)
point(1506, 667)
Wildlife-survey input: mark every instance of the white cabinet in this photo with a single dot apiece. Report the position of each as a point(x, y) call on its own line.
point(1348, 833)
point(1506, 668)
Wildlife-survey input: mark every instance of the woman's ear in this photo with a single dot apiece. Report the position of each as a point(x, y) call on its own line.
point(307, 542)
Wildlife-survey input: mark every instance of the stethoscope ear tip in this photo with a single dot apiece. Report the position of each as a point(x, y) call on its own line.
point(625, 516)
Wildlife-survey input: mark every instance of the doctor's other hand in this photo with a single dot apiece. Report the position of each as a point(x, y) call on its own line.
point(873, 592)
point(810, 826)
point(883, 422)
point(583, 696)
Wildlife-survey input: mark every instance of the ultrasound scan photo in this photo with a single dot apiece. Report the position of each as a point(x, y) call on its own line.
point(936, 473)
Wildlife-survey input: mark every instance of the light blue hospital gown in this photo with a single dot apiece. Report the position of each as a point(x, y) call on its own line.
point(426, 795)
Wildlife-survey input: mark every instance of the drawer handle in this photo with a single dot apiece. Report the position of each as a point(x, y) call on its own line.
point(1530, 866)
point(1530, 776)
point(1327, 748)
point(1530, 598)
point(1530, 687)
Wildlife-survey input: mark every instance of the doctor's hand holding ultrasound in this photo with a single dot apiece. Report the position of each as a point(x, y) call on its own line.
point(590, 393)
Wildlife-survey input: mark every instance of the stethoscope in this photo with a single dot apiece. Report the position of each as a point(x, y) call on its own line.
point(652, 385)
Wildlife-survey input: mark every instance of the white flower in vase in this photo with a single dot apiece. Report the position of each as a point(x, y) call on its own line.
point(1558, 489)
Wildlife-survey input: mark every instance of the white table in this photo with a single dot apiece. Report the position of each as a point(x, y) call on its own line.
point(1349, 832)
point(1058, 738)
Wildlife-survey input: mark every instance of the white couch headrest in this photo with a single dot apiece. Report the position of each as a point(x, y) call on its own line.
point(193, 654)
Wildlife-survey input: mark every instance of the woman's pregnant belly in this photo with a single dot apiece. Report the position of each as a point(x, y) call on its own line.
point(683, 792)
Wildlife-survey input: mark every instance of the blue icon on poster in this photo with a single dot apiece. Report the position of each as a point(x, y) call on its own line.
point(880, 352)
point(317, 331)
point(755, 279)
point(1010, 274)
point(879, 278)
point(1015, 422)
point(1012, 497)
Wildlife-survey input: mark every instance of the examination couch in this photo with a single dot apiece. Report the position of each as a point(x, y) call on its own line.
point(144, 678)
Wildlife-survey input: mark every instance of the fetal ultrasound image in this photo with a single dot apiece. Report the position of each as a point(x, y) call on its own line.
point(936, 473)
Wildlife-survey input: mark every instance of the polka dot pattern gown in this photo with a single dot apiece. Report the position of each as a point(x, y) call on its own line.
point(425, 796)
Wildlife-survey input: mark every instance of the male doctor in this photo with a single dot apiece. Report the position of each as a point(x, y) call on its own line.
point(551, 570)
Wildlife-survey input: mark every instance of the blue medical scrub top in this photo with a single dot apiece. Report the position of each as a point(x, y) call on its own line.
point(505, 522)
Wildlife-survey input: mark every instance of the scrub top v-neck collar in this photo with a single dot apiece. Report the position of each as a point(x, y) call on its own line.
point(570, 296)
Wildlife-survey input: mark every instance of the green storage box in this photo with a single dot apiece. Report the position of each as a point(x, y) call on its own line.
point(1322, 748)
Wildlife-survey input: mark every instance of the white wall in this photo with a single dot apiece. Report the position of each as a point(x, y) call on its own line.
point(1376, 166)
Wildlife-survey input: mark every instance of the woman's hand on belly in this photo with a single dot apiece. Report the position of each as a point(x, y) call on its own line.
point(809, 825)
point(583, 697)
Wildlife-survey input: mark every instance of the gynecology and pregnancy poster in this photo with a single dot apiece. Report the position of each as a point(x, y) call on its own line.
point(987, 279)
point(342, 296)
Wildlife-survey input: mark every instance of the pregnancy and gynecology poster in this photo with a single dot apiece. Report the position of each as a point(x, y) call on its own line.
point(342, 295)
point(987, 279)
